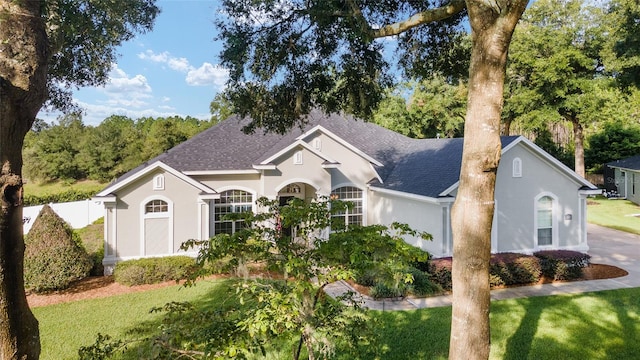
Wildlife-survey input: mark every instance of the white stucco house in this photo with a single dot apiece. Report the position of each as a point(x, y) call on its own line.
point(183, 193)
point(627, 178)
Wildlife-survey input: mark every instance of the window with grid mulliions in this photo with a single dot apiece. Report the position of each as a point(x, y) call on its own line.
point(232, 201)
point(156, 206)
point(353, 195)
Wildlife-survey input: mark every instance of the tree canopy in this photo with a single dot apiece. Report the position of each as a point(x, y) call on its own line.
point(46, 48)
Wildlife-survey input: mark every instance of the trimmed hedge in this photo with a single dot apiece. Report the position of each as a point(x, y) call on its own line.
point(515, 269)
point(153, 270)
point(65, 196)
point(562, 264)
point(54, 255)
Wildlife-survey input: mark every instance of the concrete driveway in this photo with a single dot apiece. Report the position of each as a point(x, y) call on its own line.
point(618, 248)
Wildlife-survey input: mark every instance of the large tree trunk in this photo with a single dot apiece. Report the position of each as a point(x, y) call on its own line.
point(23, 72)
point(578, 141)
point(472, 213)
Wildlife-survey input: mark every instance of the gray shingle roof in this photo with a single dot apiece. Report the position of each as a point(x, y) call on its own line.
point(632, 163)
point(422, 167)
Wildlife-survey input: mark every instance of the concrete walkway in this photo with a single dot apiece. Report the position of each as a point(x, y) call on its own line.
point(606, 246)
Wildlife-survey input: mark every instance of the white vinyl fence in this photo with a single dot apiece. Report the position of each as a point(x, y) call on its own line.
point(77, 213)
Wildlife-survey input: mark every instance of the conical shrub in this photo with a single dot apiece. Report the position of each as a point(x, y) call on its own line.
point(54, 255)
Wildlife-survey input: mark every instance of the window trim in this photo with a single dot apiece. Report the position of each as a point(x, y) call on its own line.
point(216, 203)
point(363, 213)
point(158, 182)
point(158, 215)
point(516, 168)
point(554, 220)
point(297, 158)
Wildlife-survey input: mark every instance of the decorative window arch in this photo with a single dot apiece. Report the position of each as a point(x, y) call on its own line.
point(156, 207)
point(517, 168)
point(353, 195)
point(230, 202)
point(545, 220)
point(156, 226)
point(158, 182)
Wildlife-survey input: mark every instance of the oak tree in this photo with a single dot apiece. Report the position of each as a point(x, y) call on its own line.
point(46, 48)
point(287, 57)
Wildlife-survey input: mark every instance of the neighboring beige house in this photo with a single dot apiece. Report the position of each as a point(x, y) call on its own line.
point(627, 178)
point(183, 193)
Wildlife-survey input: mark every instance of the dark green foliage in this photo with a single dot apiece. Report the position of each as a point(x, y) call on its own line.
point(153, 270)
point(65, 196)
point(422, 284)
point(275, 81)
point(562, 264)
point(615, 141)
point(382, 291)
point(440, 270)
point(72, 151)
point(513, 268)
point(436, 108)
point(54, 256)
point(545, 141)
point(84, 37)
point(505, 269)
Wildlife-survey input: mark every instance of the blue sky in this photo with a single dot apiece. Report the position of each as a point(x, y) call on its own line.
point(172, 70)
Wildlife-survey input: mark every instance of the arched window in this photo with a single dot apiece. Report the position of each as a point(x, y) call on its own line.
point(156, 207)
point(353, 215)
point(231, 201)
point(544, 221)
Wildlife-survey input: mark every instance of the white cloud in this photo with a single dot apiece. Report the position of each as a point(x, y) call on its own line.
point(208, 74)
point(123, 90)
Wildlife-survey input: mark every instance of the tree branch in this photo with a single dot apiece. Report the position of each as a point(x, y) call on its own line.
point(436, 14)
point(431, 15)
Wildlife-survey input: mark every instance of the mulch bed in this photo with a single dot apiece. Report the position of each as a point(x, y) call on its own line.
point(105, 286)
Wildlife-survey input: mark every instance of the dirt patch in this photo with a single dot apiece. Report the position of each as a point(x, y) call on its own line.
point(104, 286)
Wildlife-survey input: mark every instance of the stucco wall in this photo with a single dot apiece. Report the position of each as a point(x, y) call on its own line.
point(129, 212)
point(386, 208)
point(516, 203)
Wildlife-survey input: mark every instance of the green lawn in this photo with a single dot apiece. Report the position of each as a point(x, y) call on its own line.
point(614, 214)
point(603, 325)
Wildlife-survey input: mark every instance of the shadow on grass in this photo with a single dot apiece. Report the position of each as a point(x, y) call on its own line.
point(601, 325)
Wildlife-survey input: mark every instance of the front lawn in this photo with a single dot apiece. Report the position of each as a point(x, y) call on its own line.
point(615, 214)
point(602, 325)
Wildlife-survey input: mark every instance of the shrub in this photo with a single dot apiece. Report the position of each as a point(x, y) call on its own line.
point(513, 268)
point(65, 196)
point(54, 256)
point(422, 284)
point(505, 269)
point(381, 291)
point(562, 264)
point(440, 270)
point(153, 270)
